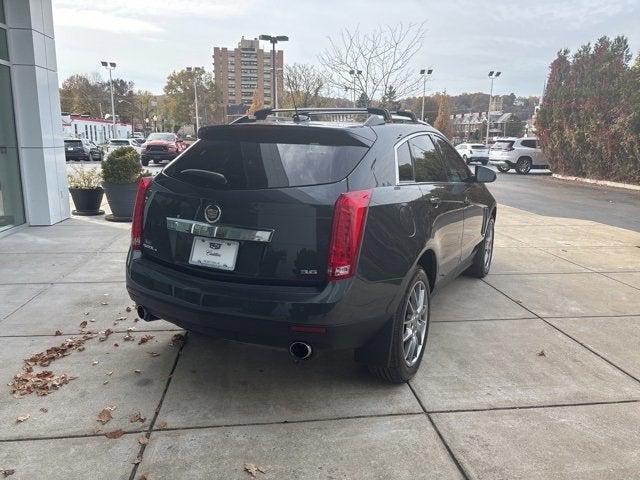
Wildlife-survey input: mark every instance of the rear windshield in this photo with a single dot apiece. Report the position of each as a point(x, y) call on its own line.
point(119, 142)
point(73, 143)
point(276, 159)
point(478, 146)
point(502, 145)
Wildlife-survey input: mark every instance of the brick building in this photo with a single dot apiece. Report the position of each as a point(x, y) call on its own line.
point(241, 71)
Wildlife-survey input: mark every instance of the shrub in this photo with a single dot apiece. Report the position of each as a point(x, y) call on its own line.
point(588, 124)
point(85, 178)
point(122, 166)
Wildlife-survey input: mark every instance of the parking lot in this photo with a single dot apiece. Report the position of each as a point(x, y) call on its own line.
point(532, 373)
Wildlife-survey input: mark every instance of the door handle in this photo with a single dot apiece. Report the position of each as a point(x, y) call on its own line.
point(435, 200)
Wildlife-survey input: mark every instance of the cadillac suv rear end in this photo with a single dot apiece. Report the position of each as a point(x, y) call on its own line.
point(293, 235)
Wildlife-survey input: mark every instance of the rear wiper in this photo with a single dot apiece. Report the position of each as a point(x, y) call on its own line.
point(215, 176)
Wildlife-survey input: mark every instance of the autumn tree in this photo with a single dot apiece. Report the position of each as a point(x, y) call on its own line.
point(256, 102)
point(383, 55)
point(303, 86)
point(179, 89)
point(443, 120)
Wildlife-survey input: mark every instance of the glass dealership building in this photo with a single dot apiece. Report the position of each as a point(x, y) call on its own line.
point(33, 185)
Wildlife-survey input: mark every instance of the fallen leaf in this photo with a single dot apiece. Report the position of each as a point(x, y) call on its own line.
point(136, 417)
point(128, 337)
point(541, 353)
point(44, 410)
point(177, 340)
point(7, 472)
point(116, 344)
point(162, 424)
point(145, 339)
point(83, 324)
point(128, 309)
point(105, 334)
point(143, 477)
point(143, 440)
point(253, 469)
point(137, 460)
point(97, 429)
point(105, 382)
point(105, 415)
point(104, 303)
point(95, 362)
point(137, 371)
point(23, 418)
point(153, 354)
point(110, 373)
point(114, 434)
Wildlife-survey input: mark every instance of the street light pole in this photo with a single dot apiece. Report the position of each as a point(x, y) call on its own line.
point(425, 73)
point(492, 75)
point(195, 71)
point(274, 39)
point(111, 66)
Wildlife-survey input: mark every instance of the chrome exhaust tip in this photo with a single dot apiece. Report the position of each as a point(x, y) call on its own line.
point(300, 350)
point(145, 314)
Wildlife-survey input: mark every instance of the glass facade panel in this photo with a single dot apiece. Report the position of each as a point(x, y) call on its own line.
point(4, 48)
point(11, 206)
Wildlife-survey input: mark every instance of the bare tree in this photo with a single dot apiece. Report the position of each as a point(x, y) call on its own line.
point(383, 55)
point(303, 84)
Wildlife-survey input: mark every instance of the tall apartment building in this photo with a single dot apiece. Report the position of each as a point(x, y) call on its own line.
point(242, 71)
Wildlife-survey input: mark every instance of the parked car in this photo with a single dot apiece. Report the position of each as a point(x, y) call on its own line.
point(95, 151)
point(160, 147)
point(523, 154)
point(76, 149)
point(311, 234)
point(122, 142)
point(473, 152)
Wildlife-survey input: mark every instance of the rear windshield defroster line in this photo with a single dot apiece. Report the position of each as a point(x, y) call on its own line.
point(271, 157)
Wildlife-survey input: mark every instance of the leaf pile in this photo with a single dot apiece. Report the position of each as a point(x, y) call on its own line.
point(27, 381)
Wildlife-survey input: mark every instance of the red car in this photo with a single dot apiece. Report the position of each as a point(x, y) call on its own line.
point(160, 147)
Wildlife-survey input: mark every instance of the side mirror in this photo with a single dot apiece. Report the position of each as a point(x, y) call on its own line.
point(484, 175)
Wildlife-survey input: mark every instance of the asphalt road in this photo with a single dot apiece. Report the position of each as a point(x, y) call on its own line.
point(544, 195)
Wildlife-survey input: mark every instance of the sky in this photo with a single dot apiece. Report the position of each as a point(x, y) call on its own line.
point(148, 39)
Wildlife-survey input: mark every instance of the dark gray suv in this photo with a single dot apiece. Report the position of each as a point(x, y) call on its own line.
point(312, 229)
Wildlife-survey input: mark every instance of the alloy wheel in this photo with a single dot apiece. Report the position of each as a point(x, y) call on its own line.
point(415, 323)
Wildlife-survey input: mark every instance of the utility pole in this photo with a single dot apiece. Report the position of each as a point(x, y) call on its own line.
point(492, 75)
point(111, 66)
point(274, 39)
point(425, 73)
point(354, 74)
point(195, 71)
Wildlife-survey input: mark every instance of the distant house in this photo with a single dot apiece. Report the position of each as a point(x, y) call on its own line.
point(470, 126)
point(94, 129)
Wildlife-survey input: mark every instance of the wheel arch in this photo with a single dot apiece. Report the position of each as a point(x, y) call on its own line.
point(429, 263)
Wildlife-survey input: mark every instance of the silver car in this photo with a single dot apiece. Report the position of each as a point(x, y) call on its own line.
point(522, 154)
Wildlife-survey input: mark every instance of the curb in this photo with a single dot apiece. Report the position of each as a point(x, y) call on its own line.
point(604, 183)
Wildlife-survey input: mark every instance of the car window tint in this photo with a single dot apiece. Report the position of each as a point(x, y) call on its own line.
point(427, 163)
point(405, 165)
point(529, 143)
point(457, 170)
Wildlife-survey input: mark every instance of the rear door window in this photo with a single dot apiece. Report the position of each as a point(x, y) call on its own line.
point(405, 163)
point(456, 167)
point(251, 158)
point(427, 163)
point(529, 143)
point(73, 143)
point(502, 145)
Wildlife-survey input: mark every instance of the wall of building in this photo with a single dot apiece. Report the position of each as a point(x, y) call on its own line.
point(94, 129)
point(36, 98)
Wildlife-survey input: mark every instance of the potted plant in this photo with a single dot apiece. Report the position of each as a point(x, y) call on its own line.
point(86, 191)
point(121, 172)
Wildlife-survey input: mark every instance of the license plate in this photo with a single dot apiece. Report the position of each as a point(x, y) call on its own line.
point(214, 253)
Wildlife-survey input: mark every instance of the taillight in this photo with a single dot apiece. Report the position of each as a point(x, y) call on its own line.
point(138, 212)
point(346, 233)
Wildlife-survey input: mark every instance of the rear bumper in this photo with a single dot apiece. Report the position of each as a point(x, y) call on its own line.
point(158, 155)
point(348, 313)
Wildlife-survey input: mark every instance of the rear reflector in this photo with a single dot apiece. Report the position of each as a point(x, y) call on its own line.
point(138, 212)
point(308, 329)
point(346, 233)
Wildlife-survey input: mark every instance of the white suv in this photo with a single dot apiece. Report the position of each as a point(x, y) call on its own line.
point(473, 152)
point(523, 154)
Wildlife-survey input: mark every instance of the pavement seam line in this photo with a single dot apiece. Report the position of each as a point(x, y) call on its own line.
point(48, 286)
point(620, 369)
point(532, 407)
point(620, 281)
point(149, 429)
point(452, 456)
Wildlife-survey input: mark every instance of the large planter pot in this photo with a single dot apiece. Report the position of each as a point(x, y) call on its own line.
point(87, 201)
point(121, 198)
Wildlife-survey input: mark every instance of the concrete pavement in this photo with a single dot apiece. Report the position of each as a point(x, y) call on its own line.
point(532, 373)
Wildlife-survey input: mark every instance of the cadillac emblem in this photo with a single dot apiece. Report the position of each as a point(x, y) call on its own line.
point(212, 213)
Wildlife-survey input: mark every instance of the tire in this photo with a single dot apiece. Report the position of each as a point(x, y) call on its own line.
point(483, 256)
point(145, 162)
point(399, 369)
point(523, 165)
point(503, 168)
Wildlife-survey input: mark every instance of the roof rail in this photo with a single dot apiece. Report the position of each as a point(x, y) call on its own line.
point(265, 112)
point(406, 113)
